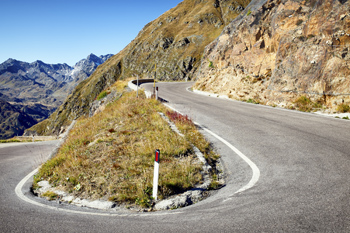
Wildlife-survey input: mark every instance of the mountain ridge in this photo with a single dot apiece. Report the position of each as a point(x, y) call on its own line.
point(18, 79)
point(38, 88)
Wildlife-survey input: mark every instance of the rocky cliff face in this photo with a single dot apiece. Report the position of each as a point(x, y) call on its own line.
point(278, 50)
point(176, 40)
point(170, 47)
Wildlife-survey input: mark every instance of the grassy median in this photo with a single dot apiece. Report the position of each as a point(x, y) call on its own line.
point(111, 155)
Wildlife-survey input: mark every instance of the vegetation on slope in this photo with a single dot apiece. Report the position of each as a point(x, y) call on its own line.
point(174, 42)
point(111, 155)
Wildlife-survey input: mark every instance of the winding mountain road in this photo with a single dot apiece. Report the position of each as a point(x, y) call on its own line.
point(302, 184)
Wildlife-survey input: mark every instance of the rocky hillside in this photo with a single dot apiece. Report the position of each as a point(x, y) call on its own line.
point(279, 50)
point(176, 40)
point(174, 43)
point(13, 121)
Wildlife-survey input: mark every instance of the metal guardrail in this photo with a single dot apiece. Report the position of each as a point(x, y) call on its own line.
point(133, 85)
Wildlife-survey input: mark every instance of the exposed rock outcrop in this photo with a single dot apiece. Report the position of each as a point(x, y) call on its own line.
point(278, 50)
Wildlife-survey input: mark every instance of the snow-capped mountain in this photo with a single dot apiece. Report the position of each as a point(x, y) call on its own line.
point(44, 83)
point(40, 87)
point(88, 65)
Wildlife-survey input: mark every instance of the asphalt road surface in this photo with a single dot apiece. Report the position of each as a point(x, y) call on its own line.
point(302, 184)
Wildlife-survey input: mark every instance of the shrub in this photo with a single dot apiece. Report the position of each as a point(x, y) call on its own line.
point(300, 21)
point(343, 108)
point(50, 195)
point(102, 95)
point(304, 104)
point(211, 65)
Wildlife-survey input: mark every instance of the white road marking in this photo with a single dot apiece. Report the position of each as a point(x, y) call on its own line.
point(255, 169)
point(19, 193)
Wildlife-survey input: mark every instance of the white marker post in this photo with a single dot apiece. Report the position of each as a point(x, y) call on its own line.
point(156, 174)
point(156, 93)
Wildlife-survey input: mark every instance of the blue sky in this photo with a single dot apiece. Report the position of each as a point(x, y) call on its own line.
point(67, 31)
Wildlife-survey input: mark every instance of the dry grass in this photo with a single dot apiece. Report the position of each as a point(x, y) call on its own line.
point(188, 128)
point(111, 155)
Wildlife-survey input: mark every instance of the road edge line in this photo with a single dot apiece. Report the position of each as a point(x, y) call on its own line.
point(19, 193)
point(252, 165)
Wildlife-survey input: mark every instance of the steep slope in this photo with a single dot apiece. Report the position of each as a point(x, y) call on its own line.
point(280, 50)
point(174, 43)
point(13, 121)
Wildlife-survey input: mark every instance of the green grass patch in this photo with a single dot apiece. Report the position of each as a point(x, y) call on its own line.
point(253, 101)
point(102, 95)
point(17, 139)
point(9, 141)
point(50, 195)
point(304, 104)
point(214, 183)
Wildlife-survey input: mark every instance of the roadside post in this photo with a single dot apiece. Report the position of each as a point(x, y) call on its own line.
point(137, 88)
point(156, 93)
point(154, 83)
point(156, 174)
point(154, 89)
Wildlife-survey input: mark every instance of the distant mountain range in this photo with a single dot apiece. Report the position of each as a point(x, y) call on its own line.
point(37, 89)
point(43, 83)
